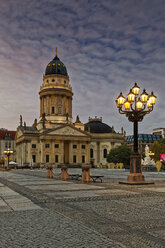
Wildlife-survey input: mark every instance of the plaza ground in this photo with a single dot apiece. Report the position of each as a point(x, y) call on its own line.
point(47, 213)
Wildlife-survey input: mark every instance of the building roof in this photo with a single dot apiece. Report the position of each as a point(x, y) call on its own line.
point(5, 133)
point(28, 128)
point(56, 67)
point(97, 126)
point(150, 138)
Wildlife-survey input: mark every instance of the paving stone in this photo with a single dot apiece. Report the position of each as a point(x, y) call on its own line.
point(62, 214)
point(63, 187)
point(156, 189)
point(2, 203)
point(5, 209)
point(41, 182)
point(24, 207)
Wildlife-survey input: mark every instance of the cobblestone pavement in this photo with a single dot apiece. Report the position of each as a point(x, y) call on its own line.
point(40, 212)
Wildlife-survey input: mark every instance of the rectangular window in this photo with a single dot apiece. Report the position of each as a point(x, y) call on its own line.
point(56, 158)
point(74, 159)
point(34, 158)
point(33, 145)
point(46, 145)
point(47, 158)
point(74, 146)
point(52, 110)
point(83, 146)
point(83, 159)
point(56, 145)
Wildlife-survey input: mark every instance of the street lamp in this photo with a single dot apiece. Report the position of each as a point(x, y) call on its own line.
point(8, 152)
point(135, 107)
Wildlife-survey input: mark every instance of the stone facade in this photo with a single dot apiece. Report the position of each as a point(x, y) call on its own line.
point(101, 144)
point(54, 139)
point(7, 141)
point(62, 145)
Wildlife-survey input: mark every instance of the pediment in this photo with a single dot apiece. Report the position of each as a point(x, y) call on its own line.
point(18, 134)
point(67, 131)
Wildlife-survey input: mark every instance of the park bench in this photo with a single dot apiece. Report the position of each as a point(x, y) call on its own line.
point(74, 176)
point(95, 178)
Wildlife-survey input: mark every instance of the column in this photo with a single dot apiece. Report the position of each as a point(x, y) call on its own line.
point(43, 104)
point(42, 151)
point(29, 153)
point(70, 152)
point(87, 153)
point(98, 152)
point(52, 158)
point(40, 106)
point(25, 153)
point(62, 152)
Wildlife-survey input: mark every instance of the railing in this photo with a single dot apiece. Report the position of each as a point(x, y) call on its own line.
point(56, 85)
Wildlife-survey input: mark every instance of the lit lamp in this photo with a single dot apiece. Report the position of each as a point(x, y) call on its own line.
point(152, 98)
point(120, 99)
point(139, 104)
point(135, 107)
point(131, 96)
point(8, 152)
point(144, 96)
point(149, 105)
point(136, 89)
point(127, 104)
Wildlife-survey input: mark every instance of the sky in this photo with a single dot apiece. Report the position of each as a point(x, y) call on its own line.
point(106, 45)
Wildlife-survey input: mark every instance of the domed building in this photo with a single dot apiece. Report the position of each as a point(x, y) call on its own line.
point(103, 139)
point(54, 139)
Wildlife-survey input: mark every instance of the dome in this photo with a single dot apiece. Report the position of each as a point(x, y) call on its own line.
point(56, 67)
point(97, 126)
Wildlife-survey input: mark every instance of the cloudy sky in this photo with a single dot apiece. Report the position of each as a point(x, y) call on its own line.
point(106, 46)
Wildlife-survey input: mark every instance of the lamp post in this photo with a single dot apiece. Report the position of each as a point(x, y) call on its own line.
point(8, 152)
point(135, 107)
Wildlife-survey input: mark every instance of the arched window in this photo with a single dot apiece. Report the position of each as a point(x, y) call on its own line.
point(91, 153)
point(105, 153)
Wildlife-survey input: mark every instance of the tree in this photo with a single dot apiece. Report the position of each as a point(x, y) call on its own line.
point(162, 141)
point(157, 148)
point(120, 154)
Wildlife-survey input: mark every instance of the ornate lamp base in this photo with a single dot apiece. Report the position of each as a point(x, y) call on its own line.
point(135, 176)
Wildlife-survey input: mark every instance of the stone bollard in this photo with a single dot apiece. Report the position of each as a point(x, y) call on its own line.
point(64, 173)
point(49, 171)
point(85, 174)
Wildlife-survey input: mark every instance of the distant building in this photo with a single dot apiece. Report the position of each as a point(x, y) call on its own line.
point(7, 140)
point(159, 131)
point(54, 139)
point(143, 140)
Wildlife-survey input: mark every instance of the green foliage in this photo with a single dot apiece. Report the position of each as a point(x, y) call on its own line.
point(162, 141)
point(157, 148)
point(120, 154)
